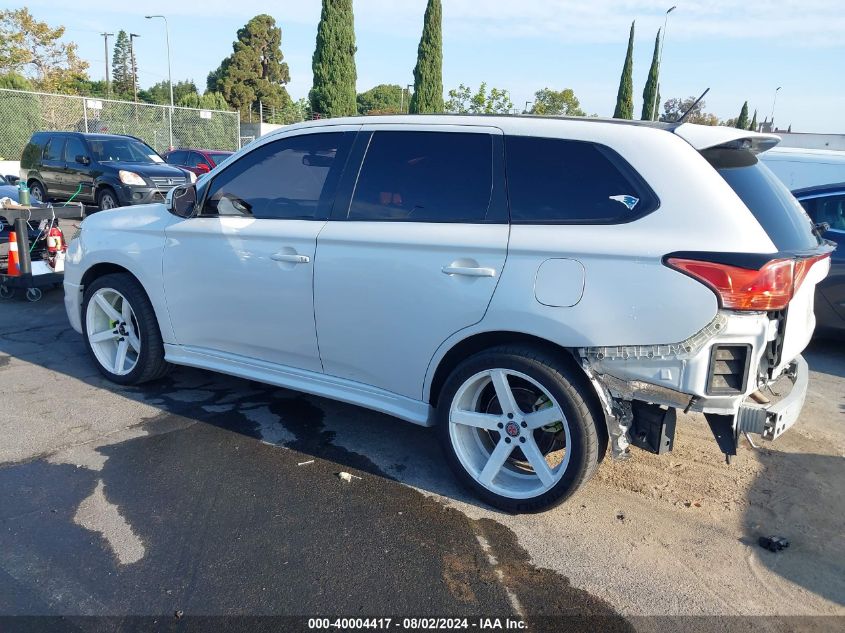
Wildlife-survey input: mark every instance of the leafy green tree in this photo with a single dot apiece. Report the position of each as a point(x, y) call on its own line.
point(625, 95)
point(256, 70)
point(428, 73)
point(121, 65)
point(333, 92)
point(556, 102)
point(742, 120)
point(650, 96)
point(674, 108)
point(34, 49)
point(753, 126)
point(383, 99)
point(160, 92)
point(462, 100)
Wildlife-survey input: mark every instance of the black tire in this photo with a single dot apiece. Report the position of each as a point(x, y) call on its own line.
point(37, 192)
point(107, 199)
point(570, 390)
point(151, 364)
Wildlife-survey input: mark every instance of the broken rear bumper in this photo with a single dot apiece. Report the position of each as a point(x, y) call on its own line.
point(771, 419)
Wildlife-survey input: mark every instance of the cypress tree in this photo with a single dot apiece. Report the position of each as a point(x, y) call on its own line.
point(333, 93)
point(121, 65)
point(753, 126)
point(428, 73)
point(625, 96)
point(742, 121)
point(650, 91)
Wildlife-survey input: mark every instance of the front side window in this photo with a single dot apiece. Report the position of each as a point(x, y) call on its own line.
point(293, 178)
point(195, 159)
point(558, 181)
point(54, 148)
point(425, 177)
point(830, 209)
point(73, 148)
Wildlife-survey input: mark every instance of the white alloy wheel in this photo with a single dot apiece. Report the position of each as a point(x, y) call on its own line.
point(112, 331)
point(509, 433)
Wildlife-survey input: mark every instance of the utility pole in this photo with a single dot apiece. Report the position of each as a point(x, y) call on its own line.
point(106, 49)
point(169, 74)
point(132, 37)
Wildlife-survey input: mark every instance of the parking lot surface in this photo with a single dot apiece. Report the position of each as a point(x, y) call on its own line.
point(208, 495)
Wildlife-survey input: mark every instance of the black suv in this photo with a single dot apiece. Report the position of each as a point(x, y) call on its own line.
point(109, 170)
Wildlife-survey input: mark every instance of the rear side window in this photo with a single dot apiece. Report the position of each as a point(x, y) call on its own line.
point(293, 178)
point(829, 208)
point(54, 148)
point(775, 208)
point(73, 148)
point(557, 181)
point(425, 177)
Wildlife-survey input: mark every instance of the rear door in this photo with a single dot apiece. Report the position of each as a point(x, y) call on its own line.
point(413, 251)
point(77, 179)
point(53, 166)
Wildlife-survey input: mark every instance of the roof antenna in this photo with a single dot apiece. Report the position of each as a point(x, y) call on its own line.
point(692, 107)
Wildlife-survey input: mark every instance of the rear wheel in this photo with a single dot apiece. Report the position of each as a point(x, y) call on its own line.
point(516, 428)
point(121, 330)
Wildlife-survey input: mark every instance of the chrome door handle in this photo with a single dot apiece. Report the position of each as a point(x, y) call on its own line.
point(288, 257)
point(469, 271)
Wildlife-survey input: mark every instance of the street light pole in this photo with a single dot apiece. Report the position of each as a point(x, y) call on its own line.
point(169, 74)
point(132, 37)
point(660, 61)
point(408, 87)
point(106, 49)
point(774, 101)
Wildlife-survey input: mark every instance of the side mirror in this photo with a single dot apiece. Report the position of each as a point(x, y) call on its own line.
point(83, 160)
point(182, 201)
point(12, 180)
point(204, 168)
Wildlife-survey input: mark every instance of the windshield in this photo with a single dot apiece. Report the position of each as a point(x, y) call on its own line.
point(219, 157)
point(125, 150)
point(776, 209)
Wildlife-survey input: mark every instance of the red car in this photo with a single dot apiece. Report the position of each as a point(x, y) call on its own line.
point(199, 161)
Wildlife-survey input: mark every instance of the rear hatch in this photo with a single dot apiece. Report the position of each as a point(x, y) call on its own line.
point(734, 155)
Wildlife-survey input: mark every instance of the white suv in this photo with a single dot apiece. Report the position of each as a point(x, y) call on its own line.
point(535, 288)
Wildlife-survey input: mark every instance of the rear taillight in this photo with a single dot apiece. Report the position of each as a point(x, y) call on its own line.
point(769, 288)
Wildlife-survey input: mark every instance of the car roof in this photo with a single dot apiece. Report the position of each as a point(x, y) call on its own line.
point(699, 136)
point(199, 149)
point(819, 189)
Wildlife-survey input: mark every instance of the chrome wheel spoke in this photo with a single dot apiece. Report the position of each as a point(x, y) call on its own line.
point(538, 461)
point(494, 464)
point(478, 420)
point(503, 391)
point(543, 417)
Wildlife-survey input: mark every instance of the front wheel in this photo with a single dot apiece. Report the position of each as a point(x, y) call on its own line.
point(517, 429)
point(121, 330)
point(37, 193)
point(107, 199)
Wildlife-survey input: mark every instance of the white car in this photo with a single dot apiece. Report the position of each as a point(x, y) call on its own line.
point(535, 288)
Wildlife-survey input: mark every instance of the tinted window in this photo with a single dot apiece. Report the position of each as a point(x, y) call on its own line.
point(775, 208)
point(830, 209)
point(53, 151)
point(120, 150)
point(177, 157)
point(195, 159)
point(425, 177)
point(560, 181)
point(285, 179)
point(73, 148)
point(218, 157)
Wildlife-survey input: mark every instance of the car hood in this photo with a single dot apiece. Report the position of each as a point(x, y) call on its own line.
point(147, 169)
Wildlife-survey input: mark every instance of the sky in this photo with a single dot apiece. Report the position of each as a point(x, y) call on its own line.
point(740, 50)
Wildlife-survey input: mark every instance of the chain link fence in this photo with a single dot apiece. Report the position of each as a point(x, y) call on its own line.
point(23, 112)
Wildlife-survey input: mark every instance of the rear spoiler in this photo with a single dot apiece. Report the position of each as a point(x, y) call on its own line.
point(703, 137)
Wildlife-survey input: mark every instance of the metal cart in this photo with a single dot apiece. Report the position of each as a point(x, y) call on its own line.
point(19, 218)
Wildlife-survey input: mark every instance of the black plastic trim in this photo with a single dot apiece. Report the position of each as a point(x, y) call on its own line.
point(749, 261)
point(710, 390)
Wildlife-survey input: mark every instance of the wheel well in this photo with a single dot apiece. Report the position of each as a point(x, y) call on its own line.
point(32, 180)
point(98, 270)
point(486, 340)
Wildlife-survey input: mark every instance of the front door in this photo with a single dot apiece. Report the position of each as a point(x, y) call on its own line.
point(77, 180)
point(239, 277)
point(412, 255)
